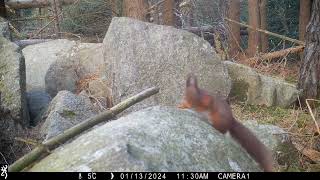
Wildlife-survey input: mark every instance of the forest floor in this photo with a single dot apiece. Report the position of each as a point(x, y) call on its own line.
point(296, 120)
point(286, 68)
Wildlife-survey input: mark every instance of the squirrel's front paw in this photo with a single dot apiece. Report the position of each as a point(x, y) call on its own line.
point(181, 106)
point(184, 105)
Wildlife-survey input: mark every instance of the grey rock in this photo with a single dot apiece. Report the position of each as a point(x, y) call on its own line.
point(39, 58)
point(257, 89)
point(82, 61)
point(12, 100)
point(38, 102)
point(59, 77)
point(140, 55)
point(65, 111)
point(158, 139)
point(12, 81)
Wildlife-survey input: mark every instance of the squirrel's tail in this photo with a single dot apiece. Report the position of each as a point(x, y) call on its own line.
point(258, 151)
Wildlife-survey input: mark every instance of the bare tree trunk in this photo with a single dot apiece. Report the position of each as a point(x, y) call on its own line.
point(254, 21)
point(309, 80)
point(57, 12)
point(2, 9)
point(136, 9)
point(168, 12)
point(115, 8)
point(304, 17)
point(187, 10)
point(234, 29)
point(264, 25)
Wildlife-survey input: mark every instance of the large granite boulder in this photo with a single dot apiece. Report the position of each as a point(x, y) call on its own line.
point(13, 105)
point(159, 139)
point(12, 81)
point(4, 29)
point(39, 58)
point(65, 111)
point(84, 60)
point(140, 55)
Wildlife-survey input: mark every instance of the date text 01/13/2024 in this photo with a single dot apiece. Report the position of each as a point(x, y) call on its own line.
point(161, 176)
point(184, 176)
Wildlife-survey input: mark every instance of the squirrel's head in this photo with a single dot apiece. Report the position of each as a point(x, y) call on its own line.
point(192, 90)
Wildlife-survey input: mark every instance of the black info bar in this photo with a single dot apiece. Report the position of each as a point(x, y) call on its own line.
point(155, 175)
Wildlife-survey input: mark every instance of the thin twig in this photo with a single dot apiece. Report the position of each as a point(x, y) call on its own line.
point(41, 29)
point(15, 30)
point(12, 151)
point(4, 158)
point(27, 141)
point(311, 113)
point(54, 142)
point(294, 134)
point(300, 106)
point(155, 5)
point(268, 32)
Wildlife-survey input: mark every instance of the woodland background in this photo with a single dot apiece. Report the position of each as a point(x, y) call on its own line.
point(276, 37)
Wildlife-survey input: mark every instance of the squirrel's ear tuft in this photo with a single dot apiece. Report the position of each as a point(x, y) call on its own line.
point(192, 80)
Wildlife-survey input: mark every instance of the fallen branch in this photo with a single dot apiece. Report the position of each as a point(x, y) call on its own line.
point(25, 4)
point(155, 5)
point(211, 29)
point(12, 28)
point(277, 54)
point(27, 42)
point(41, 29)
point(268, 32)
point(54, 142)
point(37, 18)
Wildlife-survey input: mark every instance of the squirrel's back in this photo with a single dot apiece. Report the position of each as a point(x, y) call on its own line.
point(221, 117)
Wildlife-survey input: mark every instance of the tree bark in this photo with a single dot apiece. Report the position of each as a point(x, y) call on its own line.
point(114, 8)
point(2, 9)
point(136, 9)
point(254, 22)
point(57, 12)
point(187, 10)
point(168, 14)
point(264, 25)
point(25, 4)
point(309, 80)
point(304, 17)
point(234, 29)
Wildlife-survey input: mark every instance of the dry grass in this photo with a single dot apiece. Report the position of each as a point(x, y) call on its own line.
point(286, 68)
point(83, 83)
point(301, 124)
point(296, 122)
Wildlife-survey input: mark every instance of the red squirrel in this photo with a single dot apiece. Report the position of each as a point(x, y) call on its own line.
point(221, 118)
